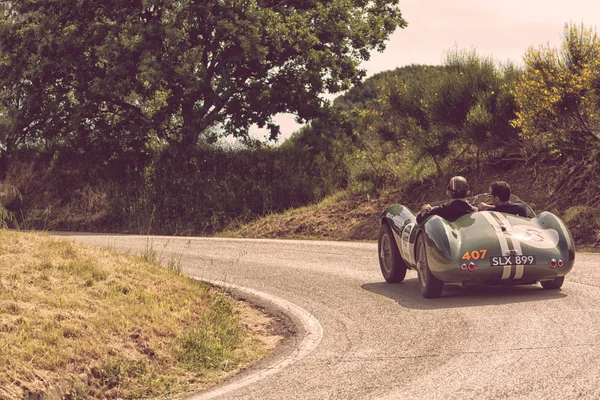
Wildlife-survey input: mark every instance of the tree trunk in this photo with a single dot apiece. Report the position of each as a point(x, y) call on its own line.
point(189, 132)
point(437, 165)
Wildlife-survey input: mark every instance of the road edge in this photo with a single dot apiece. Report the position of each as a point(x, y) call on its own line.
point(308, 336)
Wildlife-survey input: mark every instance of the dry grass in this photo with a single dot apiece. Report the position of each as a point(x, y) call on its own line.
point(112, 326)
point(356, 217)
point(340, 217)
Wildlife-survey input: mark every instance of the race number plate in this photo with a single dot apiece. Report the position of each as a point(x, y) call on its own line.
point(511, 260)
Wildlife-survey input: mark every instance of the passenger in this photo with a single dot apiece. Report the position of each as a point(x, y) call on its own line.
point(500, 198)
point(458, 189)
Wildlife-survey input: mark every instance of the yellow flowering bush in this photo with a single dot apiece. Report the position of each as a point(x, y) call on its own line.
point(558, 94)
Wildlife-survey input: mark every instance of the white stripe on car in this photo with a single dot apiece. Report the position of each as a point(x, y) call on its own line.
point(501, 239)
point(516, 243)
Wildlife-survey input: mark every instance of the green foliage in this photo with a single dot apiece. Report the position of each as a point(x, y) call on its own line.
point(364, 94)
point(472, 100)
point(396, 127)
point(426, 117)
point(558, 95)
point(100, 101)
point(212, 187)
point(107, 77)
point(203, 192)
point(215, 338)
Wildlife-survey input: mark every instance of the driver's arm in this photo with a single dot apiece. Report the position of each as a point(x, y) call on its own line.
point(426, 211)
point(484, 206)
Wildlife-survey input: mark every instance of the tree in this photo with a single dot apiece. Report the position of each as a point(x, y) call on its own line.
point(559, 94)
point(434, 114)
point(72, 70)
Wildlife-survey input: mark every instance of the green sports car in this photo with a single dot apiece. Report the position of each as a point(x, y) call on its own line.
point(481, 248)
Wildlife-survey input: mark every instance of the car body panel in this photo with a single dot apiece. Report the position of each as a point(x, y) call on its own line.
point(484, 238)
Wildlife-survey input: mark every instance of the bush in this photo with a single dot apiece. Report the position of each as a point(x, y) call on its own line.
point(584, 224)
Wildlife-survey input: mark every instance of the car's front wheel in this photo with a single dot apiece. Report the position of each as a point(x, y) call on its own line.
point(431, 286)
point(555, 283)
point(391, 263)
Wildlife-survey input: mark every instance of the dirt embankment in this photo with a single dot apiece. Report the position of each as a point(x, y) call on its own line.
point(570, 190)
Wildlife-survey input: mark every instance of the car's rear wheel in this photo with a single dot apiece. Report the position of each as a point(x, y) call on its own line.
point(391, 263)
point(431, 286)
point(555, 283)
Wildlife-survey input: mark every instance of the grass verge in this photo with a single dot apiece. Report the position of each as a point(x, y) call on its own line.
point(104, 325)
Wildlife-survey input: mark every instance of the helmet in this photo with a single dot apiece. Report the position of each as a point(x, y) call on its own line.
point(458, 187)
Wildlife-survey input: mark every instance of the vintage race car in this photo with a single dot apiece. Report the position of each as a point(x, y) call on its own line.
point(481, 248)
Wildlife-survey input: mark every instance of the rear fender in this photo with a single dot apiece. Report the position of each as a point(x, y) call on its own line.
point(566, 245)
point(398, 217)
point(402, 221)
point(439, 248)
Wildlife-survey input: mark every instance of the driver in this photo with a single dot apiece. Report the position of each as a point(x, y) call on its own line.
point(500, 198)
point(458, 189)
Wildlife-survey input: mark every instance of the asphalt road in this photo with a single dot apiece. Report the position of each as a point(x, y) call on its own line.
point(374, 340)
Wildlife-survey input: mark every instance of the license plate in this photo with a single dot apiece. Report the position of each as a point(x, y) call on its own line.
point(511, 260)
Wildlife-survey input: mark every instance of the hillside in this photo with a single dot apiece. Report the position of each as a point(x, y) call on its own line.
point(565, 191)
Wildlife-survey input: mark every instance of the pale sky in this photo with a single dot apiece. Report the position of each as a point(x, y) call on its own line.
point(501, 29)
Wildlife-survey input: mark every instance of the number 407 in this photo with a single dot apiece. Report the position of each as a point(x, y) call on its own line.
point(474, 255)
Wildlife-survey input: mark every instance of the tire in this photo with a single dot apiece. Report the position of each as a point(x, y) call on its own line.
point(391, 263)
point(431, 287)
point(555, 283)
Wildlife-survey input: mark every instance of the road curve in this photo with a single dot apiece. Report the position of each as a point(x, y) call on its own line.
point(384, 341)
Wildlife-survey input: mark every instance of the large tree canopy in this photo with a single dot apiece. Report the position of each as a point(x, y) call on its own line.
point(117, 72)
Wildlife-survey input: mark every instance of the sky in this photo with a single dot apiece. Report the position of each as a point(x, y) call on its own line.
point(500, 29)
